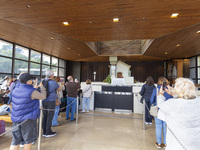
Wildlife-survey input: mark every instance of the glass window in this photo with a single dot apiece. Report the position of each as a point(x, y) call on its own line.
point(5, 65)
point(6, 49)
point(198, 60)
point(198, 70)
point(44, 68)
point(192, 62)
point(61, 63)
point(61, 72)
point(21, 53)
point(193, 73)
point(35, 69)
point(54, 61)
point(55, 71)
point(46, 59)
point(20, 66)
point(35, 56)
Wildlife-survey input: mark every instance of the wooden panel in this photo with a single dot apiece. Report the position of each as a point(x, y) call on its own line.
point(91, 21)
point(188, 40)
point(40, 40)
point(138, 19)
point(101, 69)
point(141, 70)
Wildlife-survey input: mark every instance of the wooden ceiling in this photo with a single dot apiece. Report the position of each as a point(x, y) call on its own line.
point(38, 25)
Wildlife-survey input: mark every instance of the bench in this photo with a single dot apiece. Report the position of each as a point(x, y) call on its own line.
point(6, 118)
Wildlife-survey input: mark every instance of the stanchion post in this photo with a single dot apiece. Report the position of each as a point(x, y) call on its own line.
point(144, 127)
point(77, 110)
point(40, 126)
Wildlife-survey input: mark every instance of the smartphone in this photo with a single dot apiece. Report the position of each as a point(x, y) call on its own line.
point(164, 85)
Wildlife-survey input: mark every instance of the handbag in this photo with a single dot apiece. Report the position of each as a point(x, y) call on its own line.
point(57, 102)
point(154, 108)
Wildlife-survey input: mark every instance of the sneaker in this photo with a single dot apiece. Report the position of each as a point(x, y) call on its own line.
point(21, 145)
point(44, 135)
point(164, 145)
point(87, 111)
point(83, 111)
point(150, 123)
point(158, 145)
point(50, 135)
point(146, 123)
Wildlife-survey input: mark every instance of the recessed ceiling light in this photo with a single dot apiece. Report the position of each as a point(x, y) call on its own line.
point(51, 38)
point(178, 45)
point(66, 23)
point(115, 19)
point(166, 53)
point(174, 15)
point(68, 48)
point(198, 32)
point(78, 54)
point(89, 22)
point(28, 6)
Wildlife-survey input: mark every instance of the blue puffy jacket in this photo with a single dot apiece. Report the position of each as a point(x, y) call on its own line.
point(23, 107)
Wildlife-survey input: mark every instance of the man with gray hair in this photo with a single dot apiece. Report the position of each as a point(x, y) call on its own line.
point(72, 92)
point(49, 103)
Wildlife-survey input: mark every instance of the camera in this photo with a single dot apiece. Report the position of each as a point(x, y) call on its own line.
point(164, 86)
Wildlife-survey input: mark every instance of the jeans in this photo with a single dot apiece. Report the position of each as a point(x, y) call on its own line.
point(73, 105)
point(160, 126)
point(148, 117)
point(47, 116)
point(55, 117)
point(87, 100)
point(10, 98)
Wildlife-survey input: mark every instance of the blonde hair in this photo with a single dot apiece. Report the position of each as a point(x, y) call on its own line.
point(161, 80)
point(184, 88)
point(88, 81)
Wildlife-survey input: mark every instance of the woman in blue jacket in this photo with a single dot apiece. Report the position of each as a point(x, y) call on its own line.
point(160, 124)
point(146, 92)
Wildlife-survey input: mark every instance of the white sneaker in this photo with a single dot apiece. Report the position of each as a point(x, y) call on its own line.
point(150, 123)
point(87, 111)
point(146, 123)
point(21, 145)
point(83, 111)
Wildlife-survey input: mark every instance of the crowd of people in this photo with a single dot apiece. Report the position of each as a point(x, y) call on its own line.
point(178, 119)
point(24, 94)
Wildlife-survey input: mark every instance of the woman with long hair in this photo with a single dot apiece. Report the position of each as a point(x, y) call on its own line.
point(146, 92)
point(159, 120)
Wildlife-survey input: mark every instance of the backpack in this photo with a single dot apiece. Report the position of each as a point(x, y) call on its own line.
point(46, 85)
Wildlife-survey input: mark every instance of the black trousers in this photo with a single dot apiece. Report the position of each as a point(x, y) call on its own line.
point(47, 116)
point(148, 117)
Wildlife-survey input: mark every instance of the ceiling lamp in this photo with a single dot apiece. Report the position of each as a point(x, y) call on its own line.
point(174, 15)
point(198, 32)
point(178, 45)
point(66, 23)
point(115, 19)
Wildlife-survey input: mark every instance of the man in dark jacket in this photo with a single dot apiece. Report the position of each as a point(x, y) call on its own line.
point(72, 92)
point(25, 111)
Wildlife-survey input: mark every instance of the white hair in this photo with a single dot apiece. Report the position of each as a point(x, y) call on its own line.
point(49, 73)
point(185, 88)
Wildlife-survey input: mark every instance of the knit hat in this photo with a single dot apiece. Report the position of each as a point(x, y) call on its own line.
point(25, 77)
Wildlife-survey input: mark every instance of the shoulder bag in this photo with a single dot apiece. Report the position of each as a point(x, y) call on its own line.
point(154, 108)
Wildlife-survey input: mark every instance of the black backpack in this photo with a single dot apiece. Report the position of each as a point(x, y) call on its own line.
point(45, 84)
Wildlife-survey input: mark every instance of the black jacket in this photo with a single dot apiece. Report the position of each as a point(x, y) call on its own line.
point(146, 91)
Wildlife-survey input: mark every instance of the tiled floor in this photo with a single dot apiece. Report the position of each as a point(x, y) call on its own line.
point(96, 131)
